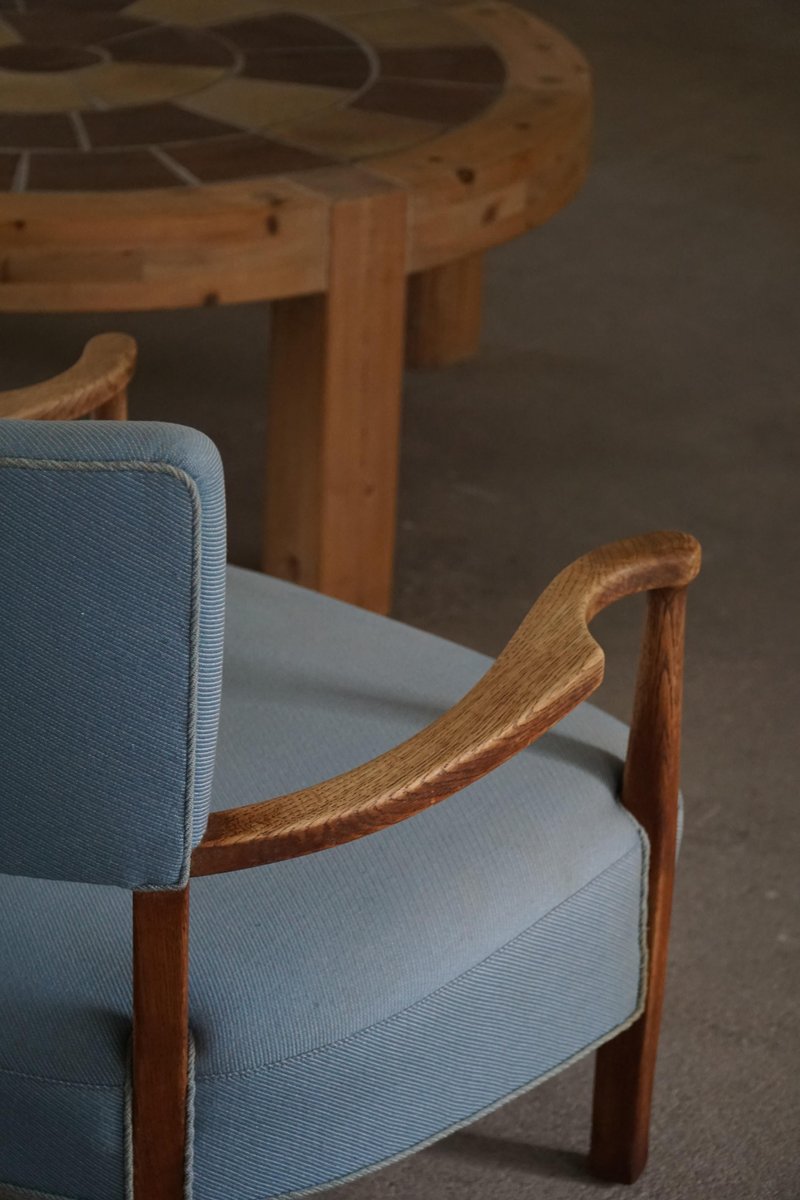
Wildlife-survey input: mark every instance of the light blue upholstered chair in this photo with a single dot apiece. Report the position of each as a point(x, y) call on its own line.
point(344, 1007)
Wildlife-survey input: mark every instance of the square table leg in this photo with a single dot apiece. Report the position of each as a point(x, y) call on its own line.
point(444, 313)
point(333, 426)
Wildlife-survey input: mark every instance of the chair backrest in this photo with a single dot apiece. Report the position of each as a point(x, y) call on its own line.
point(112, 561)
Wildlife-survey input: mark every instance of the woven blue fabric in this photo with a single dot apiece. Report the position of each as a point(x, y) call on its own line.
point(112, 551)
point(350, 1005)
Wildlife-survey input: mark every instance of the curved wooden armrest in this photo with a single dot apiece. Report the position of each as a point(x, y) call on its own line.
point(551, 663)
point(100, 375)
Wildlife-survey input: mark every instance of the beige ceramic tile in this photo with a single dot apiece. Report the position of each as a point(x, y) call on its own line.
point(118, 84)
point(258, 104)
point(413, 27)
point(194, 12)
point(352, 134)
point(39, 91)
point(8, 36)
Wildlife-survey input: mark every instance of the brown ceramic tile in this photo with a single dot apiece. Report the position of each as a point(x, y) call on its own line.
point(80, 6)
point(453, 64)
point(164, 45)
point(28, 130)
point(71, 28)
point(8, 169)
point(418, 27)
point(426, 101)
point(149, 124)
point(200, 13)
point(110, 171)
point(37, 58)
point(343, 8)
point(283, 30)
point(325, 68)
point(243, 158)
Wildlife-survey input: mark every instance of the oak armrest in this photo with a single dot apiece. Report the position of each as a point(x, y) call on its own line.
point(100, 375)
point(550, 664)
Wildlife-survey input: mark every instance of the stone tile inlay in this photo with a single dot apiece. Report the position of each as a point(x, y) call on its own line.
point(124, 95)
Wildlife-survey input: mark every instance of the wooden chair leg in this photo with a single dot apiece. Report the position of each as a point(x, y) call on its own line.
point(444, 313)
point(160, 1043)
point(625, 1066)
point(115, 409)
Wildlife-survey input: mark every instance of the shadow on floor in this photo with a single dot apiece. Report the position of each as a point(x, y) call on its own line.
point(546, 1161)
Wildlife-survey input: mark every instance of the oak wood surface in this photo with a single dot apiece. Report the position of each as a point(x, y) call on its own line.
point(97, 381)
point(335, 389)
point(625, 1066)
point(444, 313)
point(160, 1043)
point(550, 665)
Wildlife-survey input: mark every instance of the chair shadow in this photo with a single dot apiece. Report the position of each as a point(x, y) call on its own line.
point(546, 1161)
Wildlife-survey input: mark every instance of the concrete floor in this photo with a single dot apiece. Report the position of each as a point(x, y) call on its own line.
point(639, 370)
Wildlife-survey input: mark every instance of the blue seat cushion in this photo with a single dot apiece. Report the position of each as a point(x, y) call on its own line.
point(352, 1005)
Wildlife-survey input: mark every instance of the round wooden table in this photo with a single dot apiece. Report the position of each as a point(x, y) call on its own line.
point(313, 153)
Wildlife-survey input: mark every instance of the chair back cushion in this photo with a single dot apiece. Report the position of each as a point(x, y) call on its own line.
point(112, 558)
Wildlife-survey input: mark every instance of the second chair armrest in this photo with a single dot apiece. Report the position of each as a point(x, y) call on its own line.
point(100, 375)
point(550, 664)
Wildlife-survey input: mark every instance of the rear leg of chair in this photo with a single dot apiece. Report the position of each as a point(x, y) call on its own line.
point(625, 1067)
point(115, 409)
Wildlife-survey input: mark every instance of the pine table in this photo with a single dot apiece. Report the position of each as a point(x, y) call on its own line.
point(348, 161)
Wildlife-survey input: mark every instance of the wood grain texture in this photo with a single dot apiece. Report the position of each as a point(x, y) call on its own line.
point(220, 244)
point(518, 161)
point(625, 1067)
point(97, 381)
point(335, 389)
point(444, 313)
point(160, 1042)
point(550, 665)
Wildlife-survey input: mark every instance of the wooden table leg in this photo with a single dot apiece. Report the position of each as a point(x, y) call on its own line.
point(444, 313)
point(335, 389)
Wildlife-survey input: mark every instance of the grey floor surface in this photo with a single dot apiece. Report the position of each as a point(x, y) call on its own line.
point(639, 369)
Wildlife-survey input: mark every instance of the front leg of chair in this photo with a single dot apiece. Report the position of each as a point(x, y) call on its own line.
point(160, 1043)
point(625, 1067)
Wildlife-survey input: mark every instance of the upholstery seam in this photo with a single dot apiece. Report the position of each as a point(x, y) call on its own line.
point(156, 468)
point(562, 1065)
point(13, 1190)
point(264, 1068)
point(556, 1069)
point(391, 1159)
point(70, 1083)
